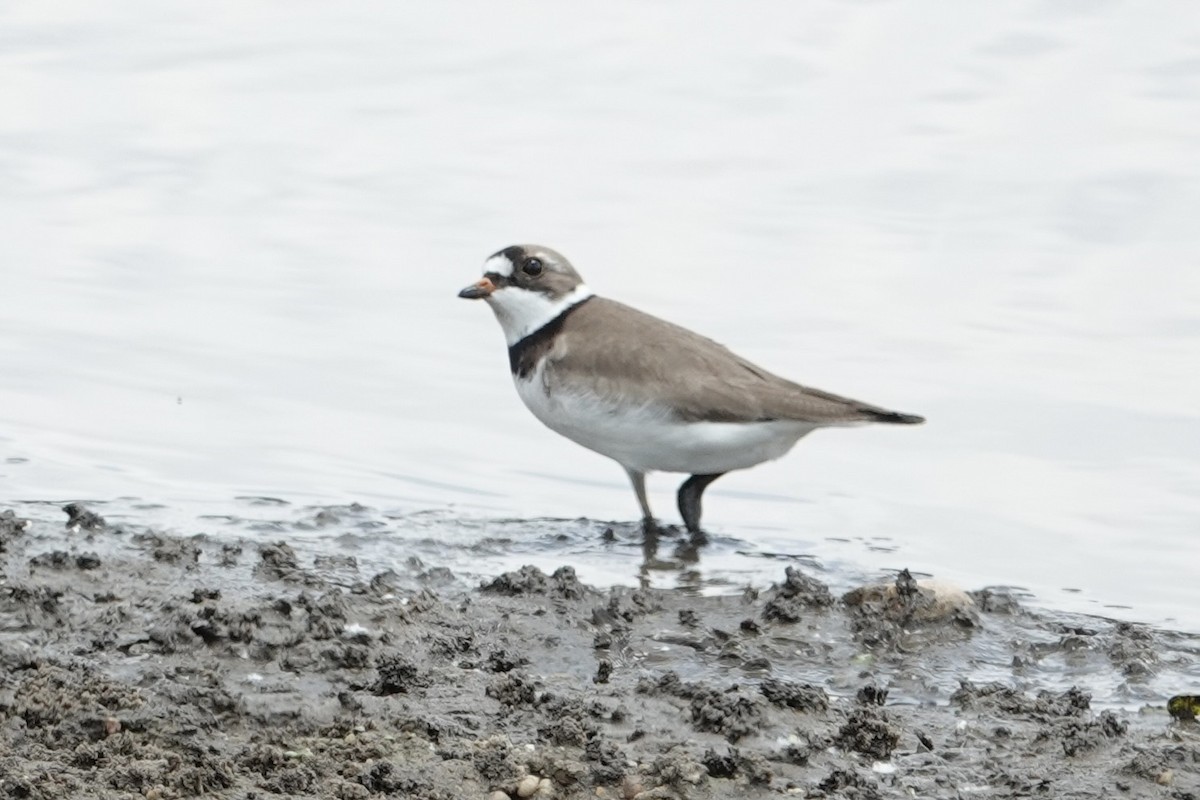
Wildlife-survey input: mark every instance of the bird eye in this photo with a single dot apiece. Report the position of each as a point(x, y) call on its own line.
point(532, 267)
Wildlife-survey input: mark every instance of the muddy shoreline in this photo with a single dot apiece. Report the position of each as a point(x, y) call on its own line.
point(140, 664)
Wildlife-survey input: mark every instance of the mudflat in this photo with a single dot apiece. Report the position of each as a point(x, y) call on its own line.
point(192, 666)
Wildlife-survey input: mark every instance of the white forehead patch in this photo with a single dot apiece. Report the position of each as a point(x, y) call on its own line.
point(500, 265)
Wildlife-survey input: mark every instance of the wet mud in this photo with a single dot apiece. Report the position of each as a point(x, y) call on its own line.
point(140, 664)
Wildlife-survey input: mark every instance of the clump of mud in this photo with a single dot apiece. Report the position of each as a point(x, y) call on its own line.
point(532, 581)
point(798, 595)
point(903, 609)
point(179, 667)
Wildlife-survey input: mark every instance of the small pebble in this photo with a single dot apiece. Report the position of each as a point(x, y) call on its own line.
point(528, 785)
point(1166, 778)
point(498, 795)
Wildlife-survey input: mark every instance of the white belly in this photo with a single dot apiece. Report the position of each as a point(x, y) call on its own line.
point(649, 439)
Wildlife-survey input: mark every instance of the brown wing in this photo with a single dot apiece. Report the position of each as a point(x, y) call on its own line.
point(697, 378)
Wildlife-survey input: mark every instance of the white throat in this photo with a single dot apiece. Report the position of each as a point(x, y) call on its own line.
point(521, 312)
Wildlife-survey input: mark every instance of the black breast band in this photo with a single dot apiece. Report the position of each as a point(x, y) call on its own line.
point(523, 357)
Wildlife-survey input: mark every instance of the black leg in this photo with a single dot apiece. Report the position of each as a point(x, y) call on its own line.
point(689, 499)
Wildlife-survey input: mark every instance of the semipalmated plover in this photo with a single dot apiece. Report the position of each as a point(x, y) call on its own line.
point(648, 394)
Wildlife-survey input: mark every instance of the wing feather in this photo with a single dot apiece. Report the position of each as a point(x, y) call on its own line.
point(695, 377)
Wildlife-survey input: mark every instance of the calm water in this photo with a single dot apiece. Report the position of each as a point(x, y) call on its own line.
point(233, 234)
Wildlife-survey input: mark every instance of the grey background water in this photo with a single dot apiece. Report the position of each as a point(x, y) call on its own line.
point(233, 232)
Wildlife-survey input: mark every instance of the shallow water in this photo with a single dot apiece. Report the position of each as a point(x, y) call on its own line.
point(233, 237)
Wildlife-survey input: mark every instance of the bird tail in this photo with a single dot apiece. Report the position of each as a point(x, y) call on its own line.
point(896, 418)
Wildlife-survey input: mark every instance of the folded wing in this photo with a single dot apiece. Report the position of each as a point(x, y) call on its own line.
point(696, 378)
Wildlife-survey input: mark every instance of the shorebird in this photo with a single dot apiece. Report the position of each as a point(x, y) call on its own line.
point(649, 394)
